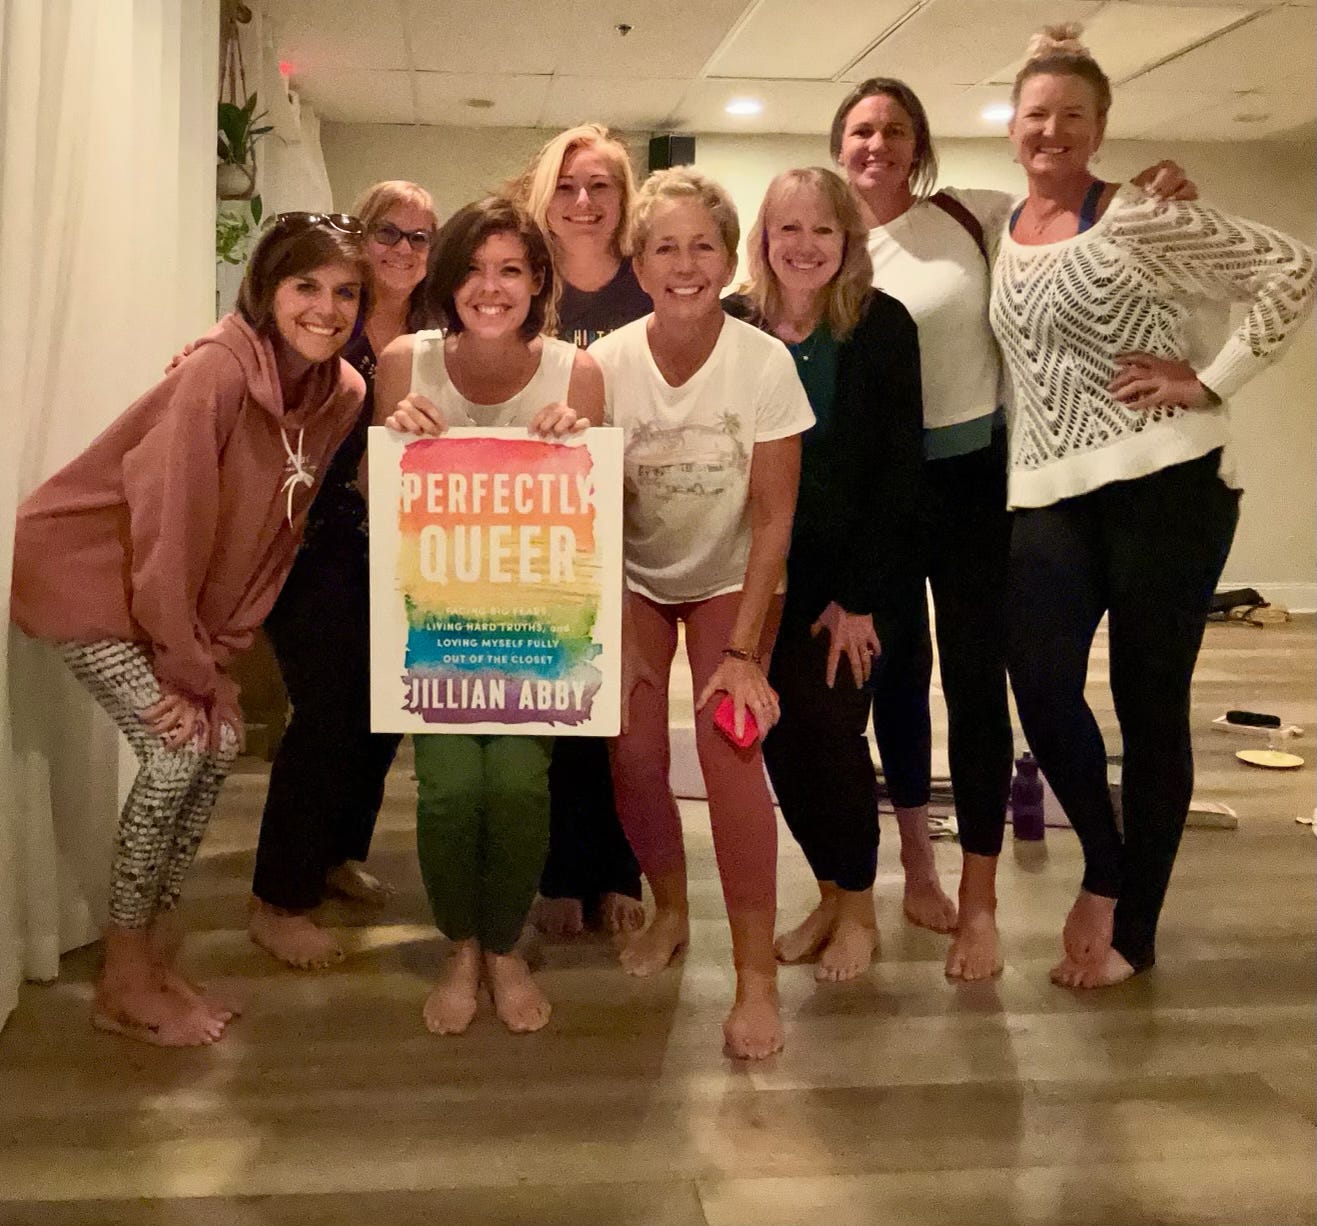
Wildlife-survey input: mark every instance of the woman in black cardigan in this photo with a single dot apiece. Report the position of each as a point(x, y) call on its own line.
point(857, 545)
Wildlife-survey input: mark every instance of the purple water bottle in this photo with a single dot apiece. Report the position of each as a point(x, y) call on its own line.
point(1027, 800)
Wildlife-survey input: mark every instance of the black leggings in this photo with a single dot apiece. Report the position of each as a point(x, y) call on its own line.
point(327, 779)
point(1148, 553)
point(969, 548)
point(819, 761)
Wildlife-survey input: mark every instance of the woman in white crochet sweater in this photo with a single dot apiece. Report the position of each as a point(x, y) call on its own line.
point(1121, 478)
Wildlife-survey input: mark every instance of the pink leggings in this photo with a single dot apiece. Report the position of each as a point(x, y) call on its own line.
point(740, 808)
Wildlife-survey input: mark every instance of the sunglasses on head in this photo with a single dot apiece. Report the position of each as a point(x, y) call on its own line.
point(388, 235)
point(344, 223)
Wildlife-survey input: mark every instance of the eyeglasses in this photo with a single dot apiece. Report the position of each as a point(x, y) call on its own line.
point(344, 223)
point(388, 235)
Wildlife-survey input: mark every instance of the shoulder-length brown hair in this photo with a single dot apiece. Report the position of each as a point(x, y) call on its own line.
point(458, 241)
point(292, 250)
point(847, 292)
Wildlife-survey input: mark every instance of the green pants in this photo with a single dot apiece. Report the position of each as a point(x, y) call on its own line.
point(482, 832)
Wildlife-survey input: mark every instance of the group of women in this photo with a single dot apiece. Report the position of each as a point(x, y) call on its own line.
point(853, 448)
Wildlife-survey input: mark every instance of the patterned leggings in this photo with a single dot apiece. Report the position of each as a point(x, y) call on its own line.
point(166, 812)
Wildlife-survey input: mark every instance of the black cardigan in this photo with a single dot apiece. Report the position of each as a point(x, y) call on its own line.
point(866, 546)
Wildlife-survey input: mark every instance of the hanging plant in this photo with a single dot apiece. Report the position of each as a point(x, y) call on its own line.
point(240, 129)
point(238, 124)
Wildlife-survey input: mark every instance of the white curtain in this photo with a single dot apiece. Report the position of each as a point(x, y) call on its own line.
point(107, 150)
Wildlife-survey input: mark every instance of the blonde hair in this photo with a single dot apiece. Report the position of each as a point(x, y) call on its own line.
point(847, 292)
point(1057, 51)
point(534, 188)
point(684, 183)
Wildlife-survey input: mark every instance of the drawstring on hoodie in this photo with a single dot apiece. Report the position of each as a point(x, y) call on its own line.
point(298, 471)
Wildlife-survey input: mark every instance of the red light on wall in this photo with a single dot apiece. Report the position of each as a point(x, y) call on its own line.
point(285, 68)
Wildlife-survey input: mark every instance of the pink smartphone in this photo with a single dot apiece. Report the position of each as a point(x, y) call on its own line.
point(724, 717)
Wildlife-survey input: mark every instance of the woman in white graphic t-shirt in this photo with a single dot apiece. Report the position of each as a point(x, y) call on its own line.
point(713, 412)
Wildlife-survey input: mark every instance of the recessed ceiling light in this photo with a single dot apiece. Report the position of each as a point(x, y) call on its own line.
point(997, 112)
point(744, 106)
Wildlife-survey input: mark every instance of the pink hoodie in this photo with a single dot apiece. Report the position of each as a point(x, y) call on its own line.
point(177, 526)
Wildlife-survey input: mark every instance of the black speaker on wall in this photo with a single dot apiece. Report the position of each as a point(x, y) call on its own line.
point(669, 150)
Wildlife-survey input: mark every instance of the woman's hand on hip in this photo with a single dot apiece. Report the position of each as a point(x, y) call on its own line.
point(744, 682)
point(1144, 381)
point(851, 635)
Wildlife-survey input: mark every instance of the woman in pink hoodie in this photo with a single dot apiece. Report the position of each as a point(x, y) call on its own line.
point(151, 559)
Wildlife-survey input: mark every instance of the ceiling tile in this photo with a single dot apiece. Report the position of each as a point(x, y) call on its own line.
point(351, 95)
point(1276, 47)
point(337, 34)
point(962, 42)
point(786, 39)
point(1126, 38)
point(789, 106)
point(614, 102)
point(668, 40)
point(443, 97)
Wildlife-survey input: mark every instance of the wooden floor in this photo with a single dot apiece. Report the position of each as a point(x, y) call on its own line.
point(1185, 1096)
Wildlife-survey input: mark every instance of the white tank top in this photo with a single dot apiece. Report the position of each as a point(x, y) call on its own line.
point(548, 385)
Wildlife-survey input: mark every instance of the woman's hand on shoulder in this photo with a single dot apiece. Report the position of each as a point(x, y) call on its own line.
point(1145, 381)
point(179, 356)
point(1166, 180)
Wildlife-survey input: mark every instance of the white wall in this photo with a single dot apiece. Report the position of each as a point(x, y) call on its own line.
point(1275, 419)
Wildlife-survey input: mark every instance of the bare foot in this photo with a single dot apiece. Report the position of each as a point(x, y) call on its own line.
point(976, 948)
point(351, 880)
point(292, 937)
point(649, 951)
point(1106, 972)
point(560, 919)
point(452, 1002)
point(926, 903)
point(848, 952)
point(149, 1014)
point(518, 1001)
point(1087, 933)
point(753, 1029)
point(165, 937)
point(621, 913)
point(809, 936)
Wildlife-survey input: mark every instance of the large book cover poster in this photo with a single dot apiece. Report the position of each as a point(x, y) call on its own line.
point(495, 582)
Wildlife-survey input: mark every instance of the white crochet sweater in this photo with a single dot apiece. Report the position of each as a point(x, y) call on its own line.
point(1145, 277)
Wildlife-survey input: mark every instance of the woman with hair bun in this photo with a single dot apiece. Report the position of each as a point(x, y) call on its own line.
point(1121, 477)
point(152, 558)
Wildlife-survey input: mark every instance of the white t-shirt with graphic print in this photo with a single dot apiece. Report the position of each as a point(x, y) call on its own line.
point(686, 500)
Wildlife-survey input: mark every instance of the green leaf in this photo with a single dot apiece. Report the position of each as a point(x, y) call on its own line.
point(257, 207)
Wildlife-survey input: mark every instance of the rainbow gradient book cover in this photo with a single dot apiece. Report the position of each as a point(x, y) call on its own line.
point(496, 582)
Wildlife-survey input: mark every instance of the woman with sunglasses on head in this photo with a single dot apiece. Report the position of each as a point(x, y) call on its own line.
point(327, 779)
point(578, 188)
point(713, 412)
point(933, 251)
point(482, 808)
point(856, 543)
point(152, 558)
point(1121, 476)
